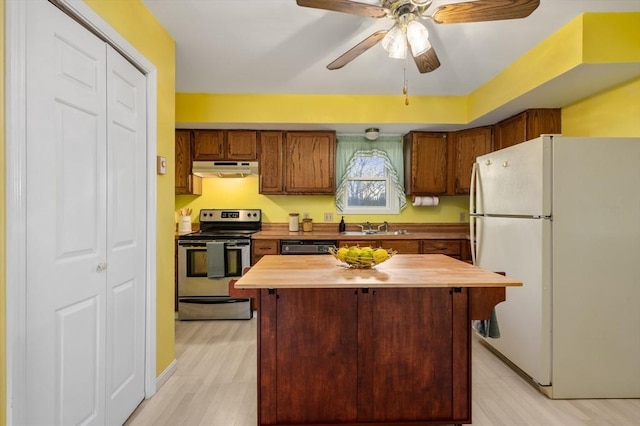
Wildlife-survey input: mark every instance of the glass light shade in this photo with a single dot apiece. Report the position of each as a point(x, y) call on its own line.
point(395, 43)
point(418, 38)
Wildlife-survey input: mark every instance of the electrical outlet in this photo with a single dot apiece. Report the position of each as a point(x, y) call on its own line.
point(463, 217)
point(328, 217)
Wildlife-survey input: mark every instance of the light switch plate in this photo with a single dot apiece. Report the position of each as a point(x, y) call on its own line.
point(161, 165)
point(328, 217)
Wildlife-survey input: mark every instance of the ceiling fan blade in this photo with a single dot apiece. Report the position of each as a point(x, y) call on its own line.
point(484, 10)
point(346, 6)
point(357, 50)
point(427, 62)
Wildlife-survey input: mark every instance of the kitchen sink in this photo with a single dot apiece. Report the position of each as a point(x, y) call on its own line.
point(374, 232)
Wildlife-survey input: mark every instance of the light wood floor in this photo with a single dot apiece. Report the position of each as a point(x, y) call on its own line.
point(215, 385)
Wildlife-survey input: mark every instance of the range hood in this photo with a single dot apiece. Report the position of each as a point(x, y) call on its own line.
point(224, 169)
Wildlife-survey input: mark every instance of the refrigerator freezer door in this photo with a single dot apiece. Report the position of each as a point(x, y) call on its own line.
point(520, 247)
point(515, 181)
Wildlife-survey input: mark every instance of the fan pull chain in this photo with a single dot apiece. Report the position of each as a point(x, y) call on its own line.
point(405, 87)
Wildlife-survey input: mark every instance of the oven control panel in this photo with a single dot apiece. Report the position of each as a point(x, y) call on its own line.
point(230, 215)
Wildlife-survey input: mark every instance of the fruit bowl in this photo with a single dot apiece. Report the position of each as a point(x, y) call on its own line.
point(361, 257)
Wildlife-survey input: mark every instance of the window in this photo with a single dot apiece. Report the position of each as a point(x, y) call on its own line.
point(368, 188)
point(368, 178)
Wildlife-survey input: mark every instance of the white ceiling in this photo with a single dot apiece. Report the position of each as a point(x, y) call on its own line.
point(276, 46)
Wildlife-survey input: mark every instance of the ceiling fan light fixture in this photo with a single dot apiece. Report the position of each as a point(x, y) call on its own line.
point(418, 38)
point(395, 43)
point(393, 36)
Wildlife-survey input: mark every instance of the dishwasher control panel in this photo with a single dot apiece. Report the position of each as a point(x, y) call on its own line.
point(306, 246)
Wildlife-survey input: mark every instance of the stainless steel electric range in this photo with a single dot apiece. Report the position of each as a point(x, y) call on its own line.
point(210, 258)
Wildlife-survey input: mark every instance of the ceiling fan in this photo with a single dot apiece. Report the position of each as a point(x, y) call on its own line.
point(408, 33)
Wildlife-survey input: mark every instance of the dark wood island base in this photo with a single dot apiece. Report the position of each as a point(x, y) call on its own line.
point(367, 355)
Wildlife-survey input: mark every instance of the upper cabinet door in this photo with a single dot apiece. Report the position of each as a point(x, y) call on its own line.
point(310, 162)
point(271, 163)
point(467, 145)
point(208, 145)
point(234, 145)
point(183, 161)
point(425, 156)
point(511, 131)
point(241, 145)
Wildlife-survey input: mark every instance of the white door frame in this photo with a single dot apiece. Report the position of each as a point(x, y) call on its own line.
point(16, 226)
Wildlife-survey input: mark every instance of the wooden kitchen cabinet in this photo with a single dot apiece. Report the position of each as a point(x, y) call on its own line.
point(261, 248)
point(186, 183)
point(310, 163)
point(297, 163)
point(466, 145)
point(527, 125)
point(449, 247)
point(425, 163)
point(401, 246)
point(233, 145)
point(271, 163)
point(384, 356)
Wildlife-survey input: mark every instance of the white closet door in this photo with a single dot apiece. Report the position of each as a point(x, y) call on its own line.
point(86, 200)
point(126, 213)
point(66, 220)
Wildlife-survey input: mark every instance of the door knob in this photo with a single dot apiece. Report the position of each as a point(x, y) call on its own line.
point(101, 266)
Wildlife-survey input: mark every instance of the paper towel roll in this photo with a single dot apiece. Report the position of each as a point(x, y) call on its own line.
point(425, 201)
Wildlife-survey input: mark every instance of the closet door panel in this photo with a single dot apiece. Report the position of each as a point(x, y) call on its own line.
point(66, 220)
point(126, 237)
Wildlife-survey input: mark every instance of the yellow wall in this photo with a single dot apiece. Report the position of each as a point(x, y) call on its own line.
point(243, 193)
point(330, 109)
point(615, 112)
point(135, 23)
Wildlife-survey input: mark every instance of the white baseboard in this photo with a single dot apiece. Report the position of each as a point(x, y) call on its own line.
point(164, 376)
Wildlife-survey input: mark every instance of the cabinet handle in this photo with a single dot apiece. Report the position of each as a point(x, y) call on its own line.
point(189, 182)
point(101, 266)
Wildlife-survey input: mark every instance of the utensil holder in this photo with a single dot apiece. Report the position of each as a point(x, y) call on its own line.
point(184, 225)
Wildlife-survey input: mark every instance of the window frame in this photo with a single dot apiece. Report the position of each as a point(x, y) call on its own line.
point(392, 205)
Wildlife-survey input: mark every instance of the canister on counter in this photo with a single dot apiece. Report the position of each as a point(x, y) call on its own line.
point(293, 222)
point(307, 225)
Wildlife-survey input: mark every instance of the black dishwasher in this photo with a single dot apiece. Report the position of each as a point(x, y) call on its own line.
point(306, 246)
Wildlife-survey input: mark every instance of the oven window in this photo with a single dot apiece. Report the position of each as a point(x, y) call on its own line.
point(196, 262)
point(233, 262)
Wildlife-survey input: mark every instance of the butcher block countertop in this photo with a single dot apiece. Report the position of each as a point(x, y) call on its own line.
point(402, 270)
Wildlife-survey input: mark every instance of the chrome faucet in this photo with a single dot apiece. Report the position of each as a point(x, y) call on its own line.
point(384, 226)
point(369, 228)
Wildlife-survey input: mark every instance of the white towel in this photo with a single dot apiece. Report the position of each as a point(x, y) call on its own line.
point(215, 260)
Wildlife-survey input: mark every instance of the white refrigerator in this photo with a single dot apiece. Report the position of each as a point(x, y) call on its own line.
point(562, 215)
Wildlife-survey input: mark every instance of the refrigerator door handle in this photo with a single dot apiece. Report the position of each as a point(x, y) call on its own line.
point(472, 212)
point(472, 189)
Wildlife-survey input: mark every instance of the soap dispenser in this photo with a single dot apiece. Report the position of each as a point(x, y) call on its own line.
point(342, 226)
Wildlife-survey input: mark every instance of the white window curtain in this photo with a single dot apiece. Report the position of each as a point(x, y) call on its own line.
point(387, 147)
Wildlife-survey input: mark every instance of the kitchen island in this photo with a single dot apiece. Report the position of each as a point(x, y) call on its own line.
point(388, 345)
